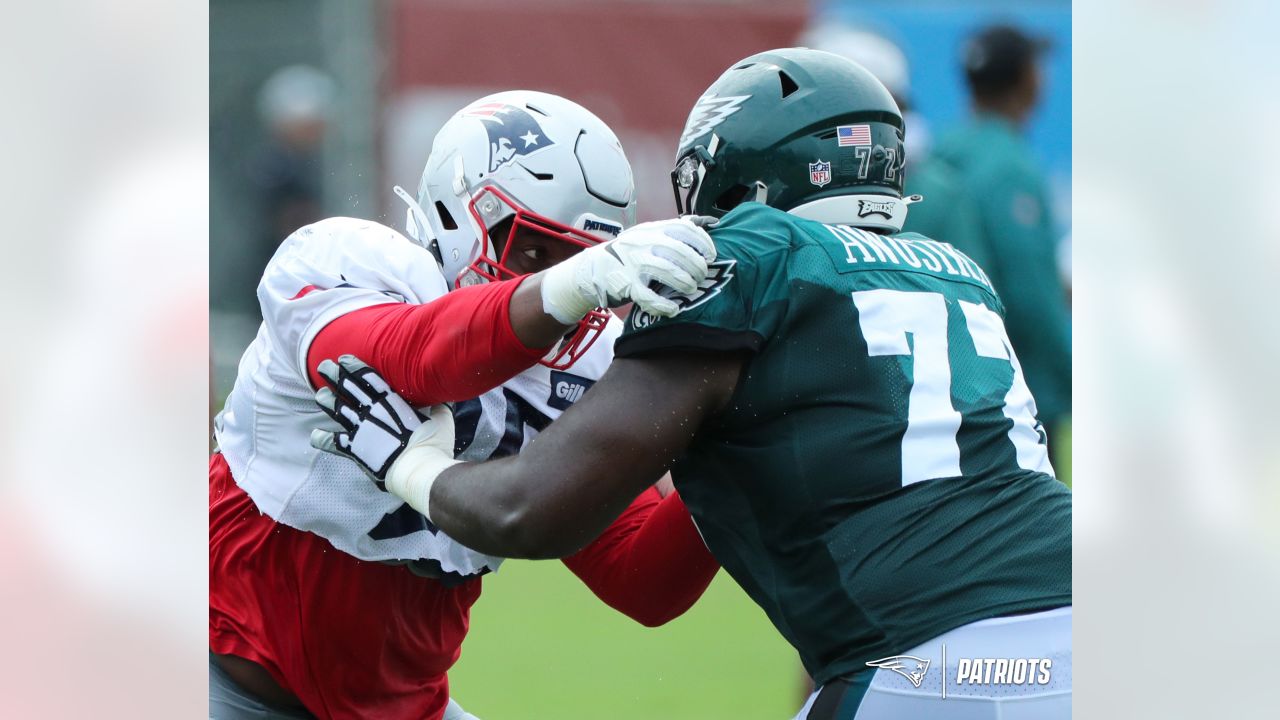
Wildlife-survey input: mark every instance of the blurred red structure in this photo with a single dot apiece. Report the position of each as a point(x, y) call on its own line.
point(642, 63)
point(639, 65)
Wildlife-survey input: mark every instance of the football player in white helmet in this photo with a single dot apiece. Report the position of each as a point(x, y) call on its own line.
point(517, 238)
point(517, 181)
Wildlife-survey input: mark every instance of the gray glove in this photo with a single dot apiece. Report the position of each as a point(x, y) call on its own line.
point(376, 422)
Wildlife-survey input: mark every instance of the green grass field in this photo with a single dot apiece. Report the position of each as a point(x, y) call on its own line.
point(542, 646)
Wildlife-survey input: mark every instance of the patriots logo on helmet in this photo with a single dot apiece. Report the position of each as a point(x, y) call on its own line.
point(908, 666)
point(708, 113)
point(512, 132)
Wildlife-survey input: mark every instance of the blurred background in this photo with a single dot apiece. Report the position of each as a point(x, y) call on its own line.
point(320, 107)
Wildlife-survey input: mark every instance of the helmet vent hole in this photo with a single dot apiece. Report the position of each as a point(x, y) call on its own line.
point(731, 198)
point(744, 66)
point(536, 109)
point(538, 175)
point(788, 85)
point(446, 220)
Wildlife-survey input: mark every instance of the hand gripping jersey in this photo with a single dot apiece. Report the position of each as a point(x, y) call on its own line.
point(879, 476)
point(319, 273)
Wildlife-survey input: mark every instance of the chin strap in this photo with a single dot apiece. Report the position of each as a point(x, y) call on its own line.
point(416, 224)
point(877, 212)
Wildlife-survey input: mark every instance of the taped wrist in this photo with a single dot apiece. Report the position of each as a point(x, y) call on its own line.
point(415, 471)
point(564, 296)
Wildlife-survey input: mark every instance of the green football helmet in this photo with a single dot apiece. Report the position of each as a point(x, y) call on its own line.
point(800, 130)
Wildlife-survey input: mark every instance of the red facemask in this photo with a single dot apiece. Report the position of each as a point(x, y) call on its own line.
point(489, 207)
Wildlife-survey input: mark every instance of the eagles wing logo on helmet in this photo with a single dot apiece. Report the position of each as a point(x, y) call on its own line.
point(512, 131)
point(908, 666)
point(709, 112)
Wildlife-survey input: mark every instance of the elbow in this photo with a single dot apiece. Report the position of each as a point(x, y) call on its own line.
point(526, 533)
point(662, 611)
point(657, 617)
point(656, 606)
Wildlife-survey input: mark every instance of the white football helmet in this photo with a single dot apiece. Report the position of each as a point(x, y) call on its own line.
point(543, 162)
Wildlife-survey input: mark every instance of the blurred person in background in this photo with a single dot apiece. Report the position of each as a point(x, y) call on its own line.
point(946, 212)
point(839, 405)
point(331, 597)
point(1000, 171)
point(293, 105)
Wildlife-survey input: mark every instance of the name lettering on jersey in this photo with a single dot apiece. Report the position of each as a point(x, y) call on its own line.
point(567, 388)
point(862, 247)
point(719, 273)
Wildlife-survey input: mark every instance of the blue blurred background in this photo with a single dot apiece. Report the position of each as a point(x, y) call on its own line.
point(931, 34)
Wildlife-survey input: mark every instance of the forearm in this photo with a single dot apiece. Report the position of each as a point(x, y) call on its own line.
point(507, 508)
point(578, 475)
point(532, 325)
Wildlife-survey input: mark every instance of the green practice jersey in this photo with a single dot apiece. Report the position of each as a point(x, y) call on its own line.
point(879, 476)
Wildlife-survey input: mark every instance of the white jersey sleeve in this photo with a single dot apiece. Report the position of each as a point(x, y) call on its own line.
point(319, 273)
point(332, 267)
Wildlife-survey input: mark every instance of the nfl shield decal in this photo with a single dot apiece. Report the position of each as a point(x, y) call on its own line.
point(819, 173)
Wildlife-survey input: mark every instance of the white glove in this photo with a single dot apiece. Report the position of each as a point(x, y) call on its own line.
point(667, 256)
point(398, 448)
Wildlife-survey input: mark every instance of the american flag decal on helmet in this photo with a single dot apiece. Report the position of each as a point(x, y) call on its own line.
point(847, 135)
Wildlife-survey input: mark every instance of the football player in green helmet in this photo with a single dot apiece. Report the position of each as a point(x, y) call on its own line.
point(798, 130)
point(839, 406)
